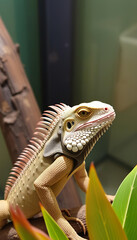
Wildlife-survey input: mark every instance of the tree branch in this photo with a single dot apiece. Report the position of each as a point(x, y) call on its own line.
point(9, 232)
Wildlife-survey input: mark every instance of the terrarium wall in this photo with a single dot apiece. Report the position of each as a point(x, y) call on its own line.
point(105, 69)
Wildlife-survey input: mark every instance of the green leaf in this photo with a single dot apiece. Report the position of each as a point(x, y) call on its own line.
point(53, 229)
point(24, 229)
point(125, 204)
point(102, 222)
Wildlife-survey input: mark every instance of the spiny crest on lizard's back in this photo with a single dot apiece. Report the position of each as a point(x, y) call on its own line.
point(42, 133)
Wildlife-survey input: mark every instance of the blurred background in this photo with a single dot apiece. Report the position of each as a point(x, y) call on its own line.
point(79, 51)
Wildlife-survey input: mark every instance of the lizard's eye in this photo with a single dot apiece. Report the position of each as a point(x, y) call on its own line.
point(69, 125)
point(84, 113)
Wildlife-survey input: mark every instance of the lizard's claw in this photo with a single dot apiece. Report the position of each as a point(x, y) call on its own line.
point(78, 221)
point(65, 212)
point(67, 216)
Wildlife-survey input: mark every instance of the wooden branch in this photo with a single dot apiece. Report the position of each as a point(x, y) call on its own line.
point(9, 233)
point(19, 111)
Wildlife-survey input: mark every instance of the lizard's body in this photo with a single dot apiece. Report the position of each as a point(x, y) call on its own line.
point(28, 200)
point(62, 141)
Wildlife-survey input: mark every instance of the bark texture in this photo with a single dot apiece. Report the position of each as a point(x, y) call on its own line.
point(19, 111)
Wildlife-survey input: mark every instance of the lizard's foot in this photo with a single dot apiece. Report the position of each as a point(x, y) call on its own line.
point(75, 237)
point(78, 238)
point(69, 218)
point(68, 229)
point(78, 221)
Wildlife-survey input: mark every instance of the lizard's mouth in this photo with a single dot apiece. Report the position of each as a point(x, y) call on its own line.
point(93, 123)
point(86, 135)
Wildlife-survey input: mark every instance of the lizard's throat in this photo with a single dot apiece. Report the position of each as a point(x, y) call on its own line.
point(82, 142)
point(93, 141)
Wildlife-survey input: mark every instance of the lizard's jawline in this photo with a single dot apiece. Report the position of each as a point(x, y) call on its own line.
point(107, 117)
point(93, 141)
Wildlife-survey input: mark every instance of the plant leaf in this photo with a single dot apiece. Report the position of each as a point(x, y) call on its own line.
point(102, 222)
point(54, 230)
point(41, 234)
point(24, 229)
point(125, 204)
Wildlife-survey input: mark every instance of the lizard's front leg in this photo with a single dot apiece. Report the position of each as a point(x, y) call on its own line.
point(49, 184)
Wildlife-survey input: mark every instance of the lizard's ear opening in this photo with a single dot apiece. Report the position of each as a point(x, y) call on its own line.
point(69, 124)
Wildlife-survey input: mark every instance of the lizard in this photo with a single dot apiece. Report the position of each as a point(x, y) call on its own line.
point(62, 140)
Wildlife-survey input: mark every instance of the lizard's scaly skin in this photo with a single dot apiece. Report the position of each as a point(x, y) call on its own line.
point(30, 157)
point(62, 140)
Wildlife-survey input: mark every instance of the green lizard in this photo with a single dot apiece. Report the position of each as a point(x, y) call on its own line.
point(63, 139)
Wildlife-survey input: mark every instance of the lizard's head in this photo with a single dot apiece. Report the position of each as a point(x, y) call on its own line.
point(75, 130)
point(83, 125)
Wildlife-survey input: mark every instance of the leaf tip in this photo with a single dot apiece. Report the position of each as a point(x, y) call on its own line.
point(41, 206)
point(92, 166)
